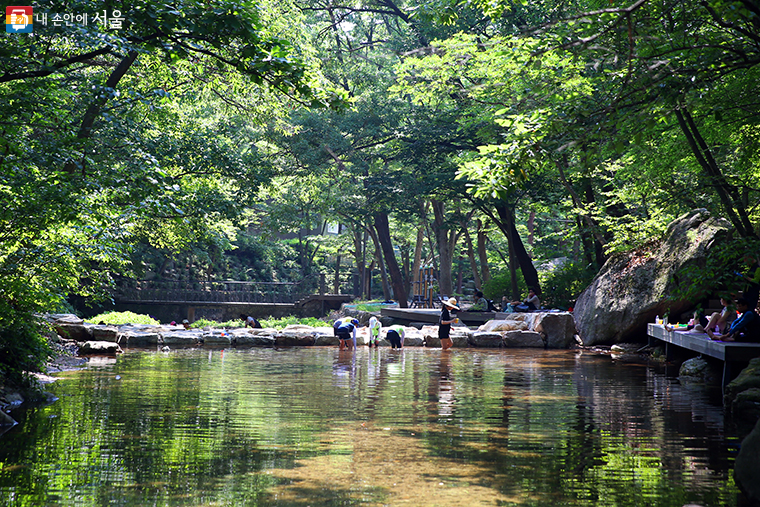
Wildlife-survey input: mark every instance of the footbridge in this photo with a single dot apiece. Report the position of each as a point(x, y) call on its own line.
point(176, 300)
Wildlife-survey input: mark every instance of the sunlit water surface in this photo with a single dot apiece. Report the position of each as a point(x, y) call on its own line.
point(419, 427)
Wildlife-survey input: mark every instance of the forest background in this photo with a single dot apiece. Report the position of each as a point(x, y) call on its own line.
point(505, 144)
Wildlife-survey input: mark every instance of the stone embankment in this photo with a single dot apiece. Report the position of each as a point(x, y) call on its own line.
point(540, 330)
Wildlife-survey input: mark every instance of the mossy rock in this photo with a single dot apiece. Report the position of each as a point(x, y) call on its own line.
point(749, 378)
point(698, 371)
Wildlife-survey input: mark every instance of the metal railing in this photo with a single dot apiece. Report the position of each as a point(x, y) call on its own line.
point(228, 291)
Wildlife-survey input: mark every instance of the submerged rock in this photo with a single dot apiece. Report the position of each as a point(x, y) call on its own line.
point(698, 371)
point(99, 348)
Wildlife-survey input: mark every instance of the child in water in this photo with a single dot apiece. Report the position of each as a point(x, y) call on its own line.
point(374, 331)
point(445, 321)
point(395, 336)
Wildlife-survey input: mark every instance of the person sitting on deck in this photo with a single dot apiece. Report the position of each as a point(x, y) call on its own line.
point(721, 321)
point(744, 329)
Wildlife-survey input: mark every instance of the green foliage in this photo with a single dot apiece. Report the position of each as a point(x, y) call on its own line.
point(500, 285)
point(718, 276)
point(369, 307)
point(24, 347)
point(230, 324)
point(563, 285)
point(292, 321)
point(278, 323)
point(121, 318)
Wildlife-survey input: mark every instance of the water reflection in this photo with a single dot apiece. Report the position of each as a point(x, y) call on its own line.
point(300, 427)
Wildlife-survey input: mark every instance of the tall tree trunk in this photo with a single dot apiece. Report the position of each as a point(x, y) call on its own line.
point(445, 250)
point(727, 193)
point(416, 285)
point(381, 263)
point(507, 224)
point(384, 237)
point(460, 277)
point(359, 255)
point(483, 253)
point(471, 257)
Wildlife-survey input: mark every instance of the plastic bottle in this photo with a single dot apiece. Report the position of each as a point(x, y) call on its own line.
point(657, 319)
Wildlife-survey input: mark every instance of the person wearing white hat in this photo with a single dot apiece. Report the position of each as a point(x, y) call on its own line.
point(445, 322)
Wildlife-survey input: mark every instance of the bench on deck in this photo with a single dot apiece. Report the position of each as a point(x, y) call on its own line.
point(731, 353)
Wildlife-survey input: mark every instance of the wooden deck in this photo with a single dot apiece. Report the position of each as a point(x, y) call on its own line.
point(733, 354)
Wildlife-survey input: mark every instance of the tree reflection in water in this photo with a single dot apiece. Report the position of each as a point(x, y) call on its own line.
point(321, 427)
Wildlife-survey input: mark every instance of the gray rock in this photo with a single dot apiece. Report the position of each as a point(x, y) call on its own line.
point(76, 332)
point(698, 371)
point(140, 339)
point(523, 339)
point(64, 318)
point(747, 465)
point(99, 348)
point(414, 341)
point(559, 329)
point(181, 338)
point(324, 340)
point(633, 287)
point(104, 333)
point(216, 338)
point(459, 336)
point(483, 339)
point(294, 340)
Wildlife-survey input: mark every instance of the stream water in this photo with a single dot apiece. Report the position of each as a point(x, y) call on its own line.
point(418, 427)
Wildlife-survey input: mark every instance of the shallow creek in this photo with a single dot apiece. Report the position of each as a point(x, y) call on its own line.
point(418, 427)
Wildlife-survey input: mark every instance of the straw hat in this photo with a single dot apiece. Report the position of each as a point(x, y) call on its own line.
point(452, 303)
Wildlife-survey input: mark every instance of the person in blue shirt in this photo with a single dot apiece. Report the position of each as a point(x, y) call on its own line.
point(345, 330)
point(744, 329)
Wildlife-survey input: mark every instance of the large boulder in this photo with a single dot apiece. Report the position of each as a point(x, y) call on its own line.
point(632, 287)
point(747, 465)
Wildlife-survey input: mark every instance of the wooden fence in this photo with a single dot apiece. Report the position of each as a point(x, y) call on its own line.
point(216, 291)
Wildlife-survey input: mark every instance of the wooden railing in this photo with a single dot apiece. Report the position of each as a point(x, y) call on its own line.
point(216, 291)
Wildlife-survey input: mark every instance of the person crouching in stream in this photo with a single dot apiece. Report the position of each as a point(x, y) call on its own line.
point(345, 330)
point(445, 321)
